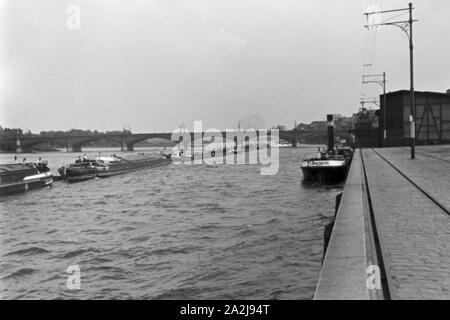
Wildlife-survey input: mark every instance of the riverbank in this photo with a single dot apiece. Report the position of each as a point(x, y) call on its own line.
point(392, 225)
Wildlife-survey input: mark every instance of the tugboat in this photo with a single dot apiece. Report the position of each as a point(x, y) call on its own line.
point(102, 167)
point(18, 177)
point(325, 167)
point(329, 166)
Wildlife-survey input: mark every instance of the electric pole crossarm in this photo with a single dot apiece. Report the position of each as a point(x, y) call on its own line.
point(387, 23)
point(381, 83)
point(385, 11)
point(395, 24)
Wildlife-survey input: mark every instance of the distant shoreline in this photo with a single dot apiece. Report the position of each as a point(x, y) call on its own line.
point(87, 149)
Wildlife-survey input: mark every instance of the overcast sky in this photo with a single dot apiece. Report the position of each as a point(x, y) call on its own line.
point(153, 64)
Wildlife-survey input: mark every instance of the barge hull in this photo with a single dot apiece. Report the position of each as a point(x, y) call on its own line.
point(78, 174)
point(24, 186)
point(321, 174)
point(111, 173)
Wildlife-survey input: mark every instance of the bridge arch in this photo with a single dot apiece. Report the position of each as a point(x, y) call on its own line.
point(75, 143)
point(27, 143)
point(131, 140)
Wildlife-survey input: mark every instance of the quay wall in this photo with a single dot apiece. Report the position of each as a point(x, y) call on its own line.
point(343, 274)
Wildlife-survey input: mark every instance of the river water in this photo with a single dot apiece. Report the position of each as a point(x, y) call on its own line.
point(171, 232)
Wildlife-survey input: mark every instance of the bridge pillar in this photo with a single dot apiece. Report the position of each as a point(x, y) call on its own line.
point(18, 147)
point(25, 149)
point(122, 143)
point(130, 147)
point(294, 141)
point(68, 145)
point(73, 148)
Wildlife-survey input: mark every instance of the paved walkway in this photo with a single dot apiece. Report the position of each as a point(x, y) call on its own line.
point(414, 232)
point(430, 170)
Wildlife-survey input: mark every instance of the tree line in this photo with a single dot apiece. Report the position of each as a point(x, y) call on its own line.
point(14, 132)
point(17, 132)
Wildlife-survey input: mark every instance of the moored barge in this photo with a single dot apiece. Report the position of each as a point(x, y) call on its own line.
point(18, 177)
point(102, 167)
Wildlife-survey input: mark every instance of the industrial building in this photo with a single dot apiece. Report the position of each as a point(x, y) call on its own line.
point(432, 120)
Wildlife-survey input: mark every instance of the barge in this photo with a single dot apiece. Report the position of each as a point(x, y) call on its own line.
point(18, 177)
point(102, 167)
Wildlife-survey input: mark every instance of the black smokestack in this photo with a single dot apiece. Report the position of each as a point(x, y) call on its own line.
point(330, 132)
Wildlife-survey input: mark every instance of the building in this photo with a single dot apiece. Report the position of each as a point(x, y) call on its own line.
point(366, 128)
point(432, 118)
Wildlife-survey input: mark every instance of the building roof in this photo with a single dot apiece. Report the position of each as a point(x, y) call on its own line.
point(418, 92)
point(15, 167)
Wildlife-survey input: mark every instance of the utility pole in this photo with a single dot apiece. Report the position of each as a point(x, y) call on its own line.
point(384, 109)
point(372, 78)
point(404, 26)
point(412, 94)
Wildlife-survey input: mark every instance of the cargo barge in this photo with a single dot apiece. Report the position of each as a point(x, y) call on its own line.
point(18, 177)
point(102, 167)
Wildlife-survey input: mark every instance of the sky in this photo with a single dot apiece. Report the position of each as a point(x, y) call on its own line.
point(153, 64)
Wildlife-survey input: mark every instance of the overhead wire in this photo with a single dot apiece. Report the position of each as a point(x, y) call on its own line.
point(370, 47)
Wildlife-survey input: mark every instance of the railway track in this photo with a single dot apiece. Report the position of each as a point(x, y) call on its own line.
point(388, 289)
point(429, 155)
point(423, 191)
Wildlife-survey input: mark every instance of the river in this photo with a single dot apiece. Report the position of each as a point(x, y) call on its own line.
point(171, 232)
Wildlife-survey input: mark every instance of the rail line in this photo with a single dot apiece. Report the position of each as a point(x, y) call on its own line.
point(387, 288)
point(430, 156)
point(425, 193)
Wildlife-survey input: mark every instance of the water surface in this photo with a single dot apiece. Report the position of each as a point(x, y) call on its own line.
point(172, 232)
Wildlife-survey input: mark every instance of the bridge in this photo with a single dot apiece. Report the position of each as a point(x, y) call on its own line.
point(74, 143)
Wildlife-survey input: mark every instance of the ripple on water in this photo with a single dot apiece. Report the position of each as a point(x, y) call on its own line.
point(27, 251)
point(22, 272)
point(178, 232)
point(75, 253)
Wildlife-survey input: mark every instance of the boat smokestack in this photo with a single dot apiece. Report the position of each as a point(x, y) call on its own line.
point(330, 132)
